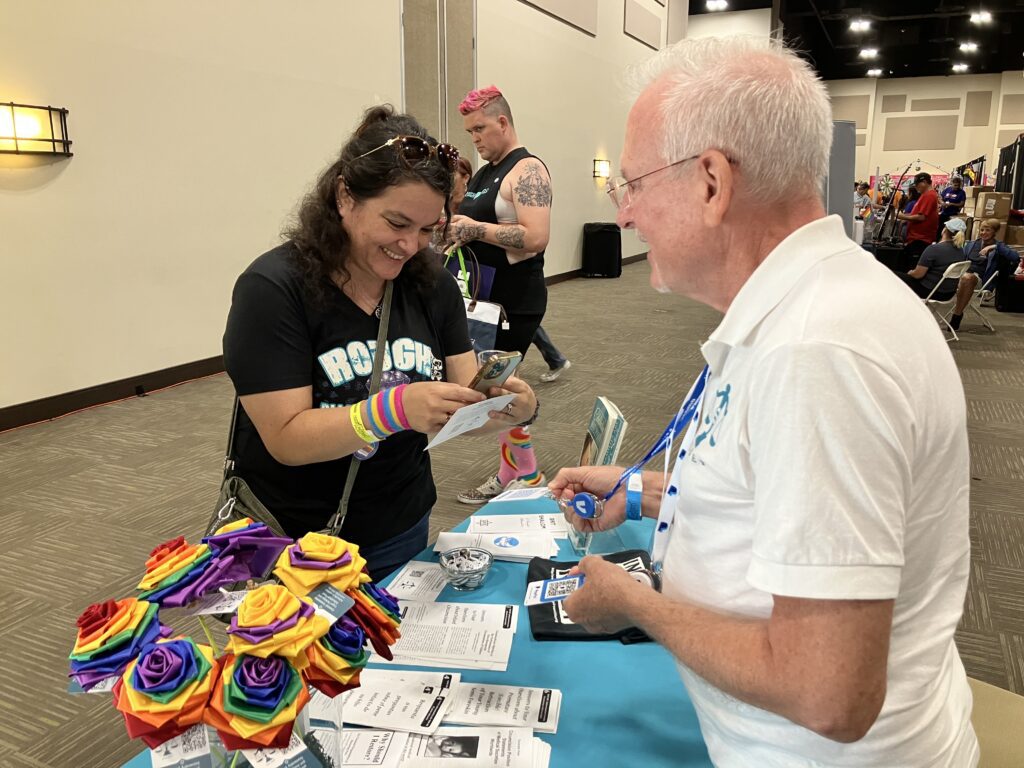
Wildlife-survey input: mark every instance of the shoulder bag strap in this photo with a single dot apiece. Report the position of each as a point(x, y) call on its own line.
point(229, 454)
point(338, 518)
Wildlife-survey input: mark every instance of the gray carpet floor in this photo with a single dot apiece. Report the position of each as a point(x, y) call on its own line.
point(83, 499)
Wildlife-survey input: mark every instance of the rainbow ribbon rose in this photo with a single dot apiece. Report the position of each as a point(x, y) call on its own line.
point(171, 571)
point(376, 611)
point(271, 621)
point(110, 635)
point(249, 545)
point(317, 559)
point(165, 691)
point(255, 701)
point(337, 658)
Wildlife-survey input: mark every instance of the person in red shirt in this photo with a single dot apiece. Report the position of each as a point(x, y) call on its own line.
point(923, 219)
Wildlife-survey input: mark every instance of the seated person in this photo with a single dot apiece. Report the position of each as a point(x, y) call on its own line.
point(987, 255)
point(935, 260)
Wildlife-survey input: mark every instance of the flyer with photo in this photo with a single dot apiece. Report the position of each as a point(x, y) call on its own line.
point(474, 747)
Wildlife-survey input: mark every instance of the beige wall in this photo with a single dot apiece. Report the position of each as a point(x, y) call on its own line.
point(971, 141)
point(197, 126)
point(563, 86)
point(725, 24)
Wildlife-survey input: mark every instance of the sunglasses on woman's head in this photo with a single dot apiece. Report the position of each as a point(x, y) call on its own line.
point(414, 150)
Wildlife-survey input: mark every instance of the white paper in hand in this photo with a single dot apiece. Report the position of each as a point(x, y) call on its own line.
point(468, 418)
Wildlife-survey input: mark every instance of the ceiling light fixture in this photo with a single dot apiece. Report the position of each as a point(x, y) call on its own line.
point(968, 47)
point(716, 5)
point(874, 73)
point(868, 53)
point(958, 67)
point(860, 25)
point(981, 17)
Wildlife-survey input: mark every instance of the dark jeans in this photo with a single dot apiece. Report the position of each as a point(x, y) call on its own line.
point(548, 350)
point(915, 285)
point(390, 555)
point(519, 335)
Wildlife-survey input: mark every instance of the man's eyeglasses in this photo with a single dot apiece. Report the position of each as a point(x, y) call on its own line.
point(414, 150)
point(618, 187)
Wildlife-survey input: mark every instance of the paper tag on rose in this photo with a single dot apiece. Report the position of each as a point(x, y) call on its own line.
point(295, 755)
point(330, 602)
point(189, 750)
point(218, 602)
point(106, 685)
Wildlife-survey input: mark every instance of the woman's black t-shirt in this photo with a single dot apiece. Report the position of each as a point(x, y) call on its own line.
point(278, 338)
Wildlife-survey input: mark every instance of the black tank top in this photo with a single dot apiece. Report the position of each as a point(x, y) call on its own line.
point(519, 288)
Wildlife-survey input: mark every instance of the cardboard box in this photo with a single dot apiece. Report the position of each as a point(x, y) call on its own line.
point(974, 191)
point(993, 205)
point(1014, 236)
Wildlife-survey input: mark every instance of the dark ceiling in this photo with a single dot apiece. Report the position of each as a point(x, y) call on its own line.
point(914, 38)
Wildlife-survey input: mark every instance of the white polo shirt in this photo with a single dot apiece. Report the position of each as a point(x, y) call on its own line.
point(831, 462)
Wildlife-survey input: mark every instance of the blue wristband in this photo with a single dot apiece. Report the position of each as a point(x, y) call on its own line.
point(634, 497)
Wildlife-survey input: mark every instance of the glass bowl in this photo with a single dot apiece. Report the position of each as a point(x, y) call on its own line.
point(466, 567)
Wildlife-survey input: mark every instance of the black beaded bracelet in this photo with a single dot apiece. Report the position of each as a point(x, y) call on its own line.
point(529, 421)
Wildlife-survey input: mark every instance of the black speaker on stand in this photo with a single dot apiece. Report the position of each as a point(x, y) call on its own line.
point(602, 250)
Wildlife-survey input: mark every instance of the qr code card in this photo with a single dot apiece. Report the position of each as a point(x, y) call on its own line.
point(552, 590)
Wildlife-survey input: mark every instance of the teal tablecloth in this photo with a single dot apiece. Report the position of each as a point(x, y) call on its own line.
point(621, 704)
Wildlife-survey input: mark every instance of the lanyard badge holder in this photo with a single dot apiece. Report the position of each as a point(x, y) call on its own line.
point(591, 507)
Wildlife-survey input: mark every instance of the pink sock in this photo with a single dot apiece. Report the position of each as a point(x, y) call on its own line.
point(518, 460)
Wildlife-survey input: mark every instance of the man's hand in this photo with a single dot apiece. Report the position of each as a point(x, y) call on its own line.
point(465, 230)
point(598, 481)
point(602, 605)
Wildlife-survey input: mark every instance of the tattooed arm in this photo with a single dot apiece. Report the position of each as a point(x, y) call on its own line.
point(530, 188)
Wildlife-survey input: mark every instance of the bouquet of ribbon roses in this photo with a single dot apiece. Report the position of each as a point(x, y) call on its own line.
point(278, 643)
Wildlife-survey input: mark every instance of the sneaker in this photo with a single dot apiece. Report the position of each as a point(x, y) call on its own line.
point(988, 298)
point(482, 493)
point(554, 373)
point(954, 321)
point(519, 483)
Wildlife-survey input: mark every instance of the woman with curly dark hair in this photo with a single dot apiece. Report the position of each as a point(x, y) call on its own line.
point(301, 337)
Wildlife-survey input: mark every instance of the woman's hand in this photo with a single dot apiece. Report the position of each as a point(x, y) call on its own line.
point(987, 250)
point(596, 480)
point(519, 410)
point(429, 404)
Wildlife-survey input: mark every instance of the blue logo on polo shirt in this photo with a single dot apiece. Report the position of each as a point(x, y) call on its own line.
point(713, 421)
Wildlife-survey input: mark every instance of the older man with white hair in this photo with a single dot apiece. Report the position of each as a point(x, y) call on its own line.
point(814, 527)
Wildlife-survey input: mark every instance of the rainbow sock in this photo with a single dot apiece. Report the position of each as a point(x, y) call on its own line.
point(522, 454)
point(507, 471)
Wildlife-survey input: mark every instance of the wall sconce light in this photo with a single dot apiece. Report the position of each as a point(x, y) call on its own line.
point(602, 169)
point(32, 130)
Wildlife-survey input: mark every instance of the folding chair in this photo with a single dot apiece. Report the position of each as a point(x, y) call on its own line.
point(953, 273)
point(974, 307)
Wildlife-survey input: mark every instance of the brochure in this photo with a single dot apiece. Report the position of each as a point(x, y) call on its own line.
point(505, 705)
point(418, 581)
point(553, 523)
point(477, 748)
point(517, 548)
point(409, 701)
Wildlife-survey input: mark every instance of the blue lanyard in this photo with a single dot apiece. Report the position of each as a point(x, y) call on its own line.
point(664, 442)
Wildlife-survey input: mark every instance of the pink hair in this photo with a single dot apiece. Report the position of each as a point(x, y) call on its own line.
point(479, 99)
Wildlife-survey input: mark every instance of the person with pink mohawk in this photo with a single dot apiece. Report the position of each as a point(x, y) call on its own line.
point(505, 219)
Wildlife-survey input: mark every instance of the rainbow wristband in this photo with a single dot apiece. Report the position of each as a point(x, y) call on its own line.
point(384, 416)
point(356, 417)
point(400, 406)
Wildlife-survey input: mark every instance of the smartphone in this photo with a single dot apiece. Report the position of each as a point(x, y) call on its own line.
point(495, 371)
